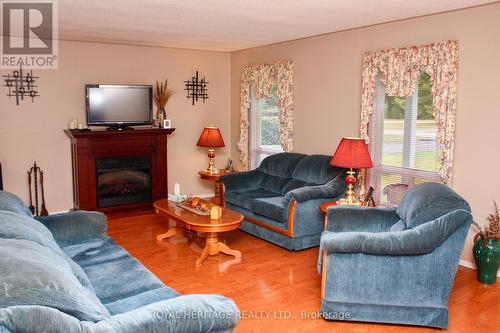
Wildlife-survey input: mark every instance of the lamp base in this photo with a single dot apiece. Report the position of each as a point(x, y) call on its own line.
point(211, 163)
point(349, 197)
point(213, 171)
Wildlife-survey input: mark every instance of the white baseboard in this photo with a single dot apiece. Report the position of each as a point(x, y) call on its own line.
point(59, 212)
point(470, 264)
point(466, 263)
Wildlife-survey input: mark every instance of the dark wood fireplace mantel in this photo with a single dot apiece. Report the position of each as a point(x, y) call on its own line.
point(89, 146)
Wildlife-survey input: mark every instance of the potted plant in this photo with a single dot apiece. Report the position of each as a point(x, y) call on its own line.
point(161, 95)
point(486, 250)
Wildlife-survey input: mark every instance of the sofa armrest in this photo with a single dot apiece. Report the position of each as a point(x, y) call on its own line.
point(75, 227)
point(344, 218)
point(242, 180)
point(420, 240)
point(189, 313)
point(331, 190)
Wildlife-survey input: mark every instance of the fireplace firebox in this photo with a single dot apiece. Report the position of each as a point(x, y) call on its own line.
point(123, 181)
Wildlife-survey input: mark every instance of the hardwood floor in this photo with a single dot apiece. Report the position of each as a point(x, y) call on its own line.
point(276, 289)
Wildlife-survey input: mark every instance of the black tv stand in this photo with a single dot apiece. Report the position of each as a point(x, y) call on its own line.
point(120, 128)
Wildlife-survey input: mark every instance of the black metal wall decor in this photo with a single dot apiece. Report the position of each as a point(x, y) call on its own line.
point(21, 85)
point(196, 89)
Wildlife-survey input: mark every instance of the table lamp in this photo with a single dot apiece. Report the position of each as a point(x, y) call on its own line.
point(352, 153)
point(211, 138)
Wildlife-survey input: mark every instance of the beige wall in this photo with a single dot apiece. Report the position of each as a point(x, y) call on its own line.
point(328, 83)
point(35, 131)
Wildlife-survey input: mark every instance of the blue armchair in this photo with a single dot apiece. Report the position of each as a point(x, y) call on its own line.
point(394, 265)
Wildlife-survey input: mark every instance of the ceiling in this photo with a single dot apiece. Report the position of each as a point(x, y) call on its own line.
point(230, 25)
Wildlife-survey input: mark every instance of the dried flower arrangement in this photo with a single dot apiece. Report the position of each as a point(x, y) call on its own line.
point(161, 95)
point(492, 231)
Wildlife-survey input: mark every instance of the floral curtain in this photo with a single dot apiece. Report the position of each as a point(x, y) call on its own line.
point(263, 77)
point(399, 72)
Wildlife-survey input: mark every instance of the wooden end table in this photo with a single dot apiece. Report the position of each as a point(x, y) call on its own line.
point(219, 187)
point(324, 207)
point(186, 220)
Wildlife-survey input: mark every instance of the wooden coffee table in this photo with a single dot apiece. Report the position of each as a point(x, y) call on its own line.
point(185, 220)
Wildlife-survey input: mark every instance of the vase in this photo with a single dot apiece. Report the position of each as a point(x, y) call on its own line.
point(487, 257)
point(161, 115)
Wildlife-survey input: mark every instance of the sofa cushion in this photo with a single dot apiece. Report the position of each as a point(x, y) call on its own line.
point(244, 198)
point(103, 259)
point(293, 184)
point(281, 164)
point(315, 169)
point(428, 201)
point(95, 252)
point(13, 203)
point(272, 208)
point(277, 170)
point(274, 183)
point(20, 226)
point(140, 300)
point(33, 274)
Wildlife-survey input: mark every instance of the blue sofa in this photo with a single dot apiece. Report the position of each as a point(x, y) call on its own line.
point(280, 199)
point(394, 265)
point(62, 274)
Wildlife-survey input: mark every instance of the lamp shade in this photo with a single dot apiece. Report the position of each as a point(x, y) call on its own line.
point(211, 137)
point(352, 153)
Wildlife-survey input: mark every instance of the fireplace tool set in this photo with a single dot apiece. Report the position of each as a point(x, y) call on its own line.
point(35, 178)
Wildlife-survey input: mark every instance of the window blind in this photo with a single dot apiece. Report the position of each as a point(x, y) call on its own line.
point(402, 142)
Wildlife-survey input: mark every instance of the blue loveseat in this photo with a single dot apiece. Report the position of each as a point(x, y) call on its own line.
point(280, 199)
point(394, 265)
point(62, 274)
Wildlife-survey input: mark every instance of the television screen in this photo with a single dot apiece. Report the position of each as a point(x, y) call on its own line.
point(115, 105)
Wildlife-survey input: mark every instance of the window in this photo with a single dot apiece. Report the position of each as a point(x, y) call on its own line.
point(403, 142)
point(264, 127)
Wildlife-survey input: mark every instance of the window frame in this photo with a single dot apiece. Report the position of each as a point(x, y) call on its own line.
point(407, 173)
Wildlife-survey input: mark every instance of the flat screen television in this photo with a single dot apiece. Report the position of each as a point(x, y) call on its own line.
point(119, 106)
